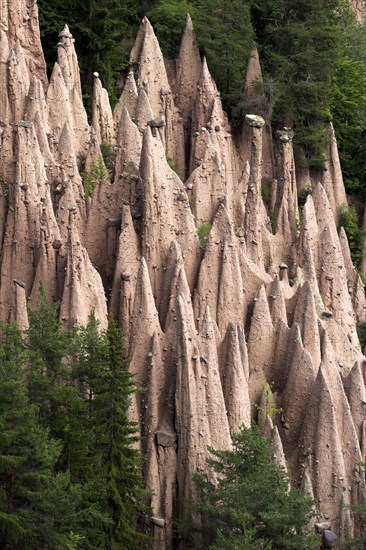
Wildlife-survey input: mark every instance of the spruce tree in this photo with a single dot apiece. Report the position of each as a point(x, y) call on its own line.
point(298, 42)
point(225, 36)
point(250, 504)
point(49, 376)
point(103, 30)
point(116, 486)
point(37, 506)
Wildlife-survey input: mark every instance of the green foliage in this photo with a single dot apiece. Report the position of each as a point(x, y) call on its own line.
point(109, 157)
point(91, 179)
point(74, 541)
point(361, 332)
point(171, 164)
point(273, 216)
point(224, 34)
point(47, 345)
point(117, 435)
point(348, 105)
point(70, 472)
point(38, 507)
point(116, 482)
point(267, 407)
point(103, 32)
point(355, 234)
point(276, 518)
point(203, 232)
point(303, 195)
point(298, 42)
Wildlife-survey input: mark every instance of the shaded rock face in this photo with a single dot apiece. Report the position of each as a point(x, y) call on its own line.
point(216, 304)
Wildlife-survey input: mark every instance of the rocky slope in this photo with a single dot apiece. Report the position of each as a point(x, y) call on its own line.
point(206, 326)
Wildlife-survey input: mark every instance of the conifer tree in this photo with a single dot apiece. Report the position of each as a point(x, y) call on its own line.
point(80, 386)
point(299, 42)
point(250, 504)
point(119, 481)
point(37, 506)
point(103, 30)
point(50, 383)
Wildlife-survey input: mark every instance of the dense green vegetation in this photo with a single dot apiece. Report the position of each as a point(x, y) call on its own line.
point(70, 474)
point(356, 236)
point(104, 32)
point(348, 104)
point(224, 34)
point(298, 41)
point(313, 56)
point(231, 517)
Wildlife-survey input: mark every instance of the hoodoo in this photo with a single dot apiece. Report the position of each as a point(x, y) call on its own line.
point(175, 242)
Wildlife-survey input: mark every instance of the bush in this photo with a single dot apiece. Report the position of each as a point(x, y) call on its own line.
point(90, 179)
point(303, 195)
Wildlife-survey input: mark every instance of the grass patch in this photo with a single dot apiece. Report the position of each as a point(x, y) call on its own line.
point(203, 232)
point(171, 164)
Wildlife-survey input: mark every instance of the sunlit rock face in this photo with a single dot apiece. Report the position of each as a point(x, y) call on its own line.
point(358, 8)
point(169, 233)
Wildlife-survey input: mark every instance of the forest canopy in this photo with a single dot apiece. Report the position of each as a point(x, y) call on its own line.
point(309, 49)
point(313, 56)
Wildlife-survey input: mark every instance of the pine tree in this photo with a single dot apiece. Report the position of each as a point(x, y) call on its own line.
point(49, 375)
point(299, 42)
point(37, 507)
point(348, 103)
point(250, 504)
point(224, 34)
point(119, 479)
point(103, 30)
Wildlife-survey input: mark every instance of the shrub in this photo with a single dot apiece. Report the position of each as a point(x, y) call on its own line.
point(303, 195)
point(90, 179)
